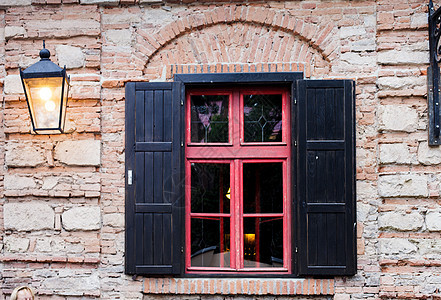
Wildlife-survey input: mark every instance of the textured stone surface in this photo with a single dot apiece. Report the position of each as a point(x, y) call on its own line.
point(121, 37)
point(14, 31)
point(395, 153)
point(433, 220)
point(16, 244)
point(400, 221)
point(389, 247)
point(414, 185)
point(79, 153)
point(18, 182)
point(11, 3)
point(114, 220)
point(82, 218)
point(30, 216)
point(23, 155)
point(429, 155)
point(402, 57)
point(69, 56)
point(104, 2)
point(398, 118)
point(13, 85)
point(62, 281)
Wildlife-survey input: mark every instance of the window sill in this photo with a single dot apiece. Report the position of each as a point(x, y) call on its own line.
point(240, 286)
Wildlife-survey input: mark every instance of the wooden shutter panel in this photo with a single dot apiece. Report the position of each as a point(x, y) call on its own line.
point(154, 194)
point(326, 177)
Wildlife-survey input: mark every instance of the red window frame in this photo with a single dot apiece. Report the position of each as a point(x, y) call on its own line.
point(237, 152)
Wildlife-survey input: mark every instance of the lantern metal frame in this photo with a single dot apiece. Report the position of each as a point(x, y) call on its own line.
point(45, 69)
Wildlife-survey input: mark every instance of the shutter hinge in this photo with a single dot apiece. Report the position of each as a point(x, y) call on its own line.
point(182, 249)
point(295, 101)
point(295, 143)
point(129, 177)
point(297, 250)
point(182, 102)
point(182, 144)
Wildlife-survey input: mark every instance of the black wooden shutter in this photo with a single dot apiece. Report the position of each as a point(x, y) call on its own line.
point(326, 177)
point(154, 194)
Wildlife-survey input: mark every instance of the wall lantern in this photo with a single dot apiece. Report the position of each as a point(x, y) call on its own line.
point(433, 75)
point(46, 86)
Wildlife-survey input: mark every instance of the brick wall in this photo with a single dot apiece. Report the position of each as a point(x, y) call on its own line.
point(62, 196)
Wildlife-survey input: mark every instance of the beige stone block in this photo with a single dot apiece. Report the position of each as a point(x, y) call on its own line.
point(396, 246)
point(353, 58)
point(429, 155)
point(395, 153)
point(10, 3)
point(122, 37)
point(72, 282)
point(18, 182)
point(23, 155)
point(400, 221)
point(30, 216)
point(346, 32)
point(82, 218)
point(14, 31)
point(433, 220)
point(69, 56)
point(102, 2)
point(113, 220)
point(13, 85)
point(396, 83)
point(402, 57)
point(398, 118)
point(79, 153)
point(410, 185)
point(16, 244)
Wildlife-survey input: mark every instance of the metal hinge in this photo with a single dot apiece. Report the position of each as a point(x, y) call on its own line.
point(297, 250)
point(129, 177)
point(295, 143)
point(182, 102)
point(295, 101)
point(182, 249)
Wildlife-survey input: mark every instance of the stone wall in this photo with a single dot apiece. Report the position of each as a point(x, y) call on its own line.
point(62, 196)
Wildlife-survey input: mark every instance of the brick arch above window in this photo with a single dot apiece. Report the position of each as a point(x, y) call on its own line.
point(321, 37)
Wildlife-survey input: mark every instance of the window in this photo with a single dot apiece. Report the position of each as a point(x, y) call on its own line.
point(239, 174)
point(237, 158)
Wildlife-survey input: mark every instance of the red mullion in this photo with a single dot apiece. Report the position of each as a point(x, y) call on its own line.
point(239, 216)
point(286, 212)
point(200, 92)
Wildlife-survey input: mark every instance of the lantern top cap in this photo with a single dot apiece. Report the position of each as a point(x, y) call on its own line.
point(43, 68)
point(44, 53)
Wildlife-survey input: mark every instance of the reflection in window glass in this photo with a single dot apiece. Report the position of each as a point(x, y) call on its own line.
point(263, 242)
point(262, 118)
point(210, 184)
point(262, 188)
point(210, 242)
point(209, 118)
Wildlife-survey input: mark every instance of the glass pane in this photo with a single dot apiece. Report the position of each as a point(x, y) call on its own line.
point(210, 188)
point(209, 119)
point(262, 188)
point(210, 242)
point(263, 242)
point(262, 118)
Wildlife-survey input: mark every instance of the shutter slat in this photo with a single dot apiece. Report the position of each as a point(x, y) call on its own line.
point(326, 177)
point(153, 201)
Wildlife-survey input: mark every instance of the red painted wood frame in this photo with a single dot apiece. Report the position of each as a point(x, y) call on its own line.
point(235, 153)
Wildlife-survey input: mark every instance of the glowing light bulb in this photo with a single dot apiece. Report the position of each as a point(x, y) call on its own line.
point(49, 105)
point(45, 93)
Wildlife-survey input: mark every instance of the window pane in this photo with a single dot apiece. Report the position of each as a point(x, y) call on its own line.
point(262, 118)
point(209, 119)
point(262, 188)
point(263, 242)
point(210, 188)
point(210, 242)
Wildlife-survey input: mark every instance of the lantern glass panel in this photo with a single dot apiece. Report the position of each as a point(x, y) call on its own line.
point(45, 100)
